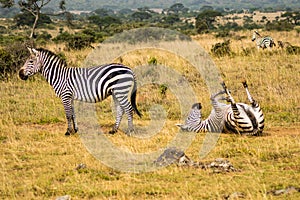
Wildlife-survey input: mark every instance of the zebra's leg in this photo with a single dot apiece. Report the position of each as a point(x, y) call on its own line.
point(250, 98)
point(74, 118)
point(119, 115)
point(230, 99)
point(256, 107)
point(69, 110)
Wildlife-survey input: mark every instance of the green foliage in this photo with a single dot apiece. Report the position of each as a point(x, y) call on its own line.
point(251, 26)
point(293, 49)
point(163, 89)
point(27, 19)
point(279, 26)
point(152, 61)
point(79, 41)
point(43, 37)
point(221, 49)
point(205, 19)
point(141, 15)
point(11, 59)
point(103, 22)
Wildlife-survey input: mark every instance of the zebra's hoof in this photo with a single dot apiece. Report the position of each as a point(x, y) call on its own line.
point(130, 132)
point(113, 131)
point(75, 130)
point(67, 134)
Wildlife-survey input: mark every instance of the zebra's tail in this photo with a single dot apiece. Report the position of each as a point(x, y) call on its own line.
point(133, 100)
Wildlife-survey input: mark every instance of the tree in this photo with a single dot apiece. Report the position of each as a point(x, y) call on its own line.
point(141, 16)
point(27, 19)
point(34, 7)
point(177, 8)
point(104, 22)
point(204, 21)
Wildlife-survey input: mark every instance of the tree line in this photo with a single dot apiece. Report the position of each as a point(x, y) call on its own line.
point(33, 21)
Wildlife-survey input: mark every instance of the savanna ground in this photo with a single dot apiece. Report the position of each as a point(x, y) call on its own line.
point(39, 162)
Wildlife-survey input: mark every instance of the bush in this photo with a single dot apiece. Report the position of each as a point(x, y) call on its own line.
point(76, 41)
point(80, 41)
point(293, 49)
point(43, 37)
point(11, 59)
point(279, 26)
point(221, 49)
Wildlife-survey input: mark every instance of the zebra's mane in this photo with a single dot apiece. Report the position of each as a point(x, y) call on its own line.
point(50, 53)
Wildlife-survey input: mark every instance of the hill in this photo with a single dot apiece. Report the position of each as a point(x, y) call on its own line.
point(193, 4)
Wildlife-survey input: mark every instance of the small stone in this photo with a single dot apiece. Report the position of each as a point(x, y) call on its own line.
point(66, 197)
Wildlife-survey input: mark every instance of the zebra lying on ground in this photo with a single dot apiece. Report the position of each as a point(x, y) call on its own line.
point(238, 118)
point(85, 84)
point(263, 42)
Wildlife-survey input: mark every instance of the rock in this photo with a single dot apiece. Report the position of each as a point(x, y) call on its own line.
point(235, 195)
point(173, 155)
point(66, 197)
point(81, 166)
point(287, 190)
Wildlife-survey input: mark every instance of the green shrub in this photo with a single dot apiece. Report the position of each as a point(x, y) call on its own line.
point(80, 41)
point(279, 26)
point(152, 61)
point(11, 59)
point(76, 41)
point(221, 49)
point(43, 38)
point(293, 49)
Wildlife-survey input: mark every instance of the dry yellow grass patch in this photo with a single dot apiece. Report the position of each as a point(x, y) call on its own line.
point(39, 162)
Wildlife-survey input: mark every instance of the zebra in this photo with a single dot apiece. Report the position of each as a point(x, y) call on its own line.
point(215, 121)
point(237, 118)
point(90, 85)
point(263, 42)
point(243, 118)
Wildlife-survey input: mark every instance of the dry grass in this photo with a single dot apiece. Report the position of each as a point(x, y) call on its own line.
point(38, 161)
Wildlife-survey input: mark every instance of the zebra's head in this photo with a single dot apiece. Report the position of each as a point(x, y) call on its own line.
point(255, 33)
point(32, 65)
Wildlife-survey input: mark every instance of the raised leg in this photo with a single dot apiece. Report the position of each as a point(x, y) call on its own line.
point(250, 98)
point(256, 107)
point(230, 99)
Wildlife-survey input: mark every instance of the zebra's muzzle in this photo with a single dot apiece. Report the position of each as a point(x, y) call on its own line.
point(22, 75)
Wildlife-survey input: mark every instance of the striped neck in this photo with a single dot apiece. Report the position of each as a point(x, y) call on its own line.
point(51, 65)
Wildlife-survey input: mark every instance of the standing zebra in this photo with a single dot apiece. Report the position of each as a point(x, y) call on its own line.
point(238, 118)
point(85, 84)
point(263, 42)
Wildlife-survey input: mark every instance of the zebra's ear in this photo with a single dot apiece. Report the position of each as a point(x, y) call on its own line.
point(183, 127)
point(30, 50)
point(34, 51)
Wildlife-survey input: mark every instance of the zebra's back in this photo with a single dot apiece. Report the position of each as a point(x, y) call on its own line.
point(94, 84)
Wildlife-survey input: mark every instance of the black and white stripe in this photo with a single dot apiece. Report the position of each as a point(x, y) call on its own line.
point(215, 121)
point(263, 42)
point(243, 118)
point(238, 118)
point(92, 85)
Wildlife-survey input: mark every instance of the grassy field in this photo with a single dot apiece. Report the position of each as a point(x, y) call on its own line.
point(39, 162)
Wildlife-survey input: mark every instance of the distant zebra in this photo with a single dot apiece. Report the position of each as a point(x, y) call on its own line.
point(238, 118)
point(85, 84)
point(283, 45)
point(263, 42)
